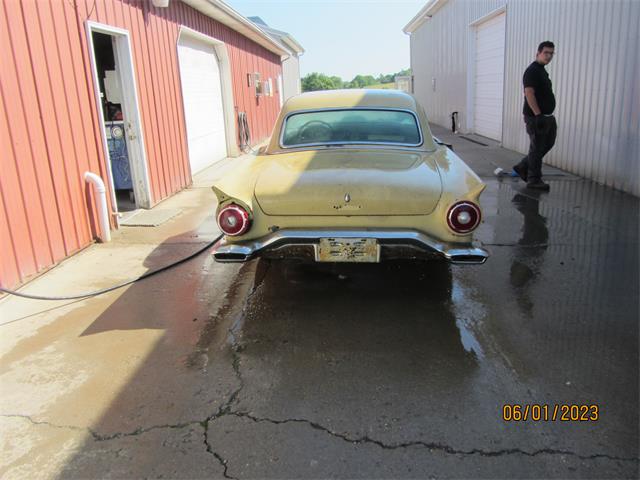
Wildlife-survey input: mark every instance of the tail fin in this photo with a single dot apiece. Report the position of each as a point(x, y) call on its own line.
point(476, 191)
point(220, 194)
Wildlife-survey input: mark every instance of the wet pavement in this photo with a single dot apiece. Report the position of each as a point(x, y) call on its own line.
point(293, 370)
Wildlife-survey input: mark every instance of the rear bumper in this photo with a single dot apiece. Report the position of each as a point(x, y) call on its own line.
point(393, 244)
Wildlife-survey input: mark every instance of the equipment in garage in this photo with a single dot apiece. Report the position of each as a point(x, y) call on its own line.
point(111, 97)
point(119, 156)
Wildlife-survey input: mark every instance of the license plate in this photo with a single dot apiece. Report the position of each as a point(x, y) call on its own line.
point(365, 250)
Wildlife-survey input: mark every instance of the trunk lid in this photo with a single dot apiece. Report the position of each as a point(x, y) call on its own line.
point(348, 183)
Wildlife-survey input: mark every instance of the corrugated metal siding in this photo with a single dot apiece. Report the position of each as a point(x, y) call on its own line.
point(291, 76)
point(48, 137)
point(595, 76)
point(49, 125)
point(440, 49)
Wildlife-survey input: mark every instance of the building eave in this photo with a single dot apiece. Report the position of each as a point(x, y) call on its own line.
point(425, 13)
point(285, 38)
point(226, 15)
point(293, 43)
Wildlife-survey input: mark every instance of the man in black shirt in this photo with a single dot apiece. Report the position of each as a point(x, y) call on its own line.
point(539, 104)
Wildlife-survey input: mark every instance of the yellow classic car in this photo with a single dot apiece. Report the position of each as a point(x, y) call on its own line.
point(350, 176)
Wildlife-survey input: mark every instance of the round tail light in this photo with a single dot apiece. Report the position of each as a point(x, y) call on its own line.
point(463, 217)
point(233, 220)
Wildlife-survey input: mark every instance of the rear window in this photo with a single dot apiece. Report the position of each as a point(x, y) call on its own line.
point(355, 126)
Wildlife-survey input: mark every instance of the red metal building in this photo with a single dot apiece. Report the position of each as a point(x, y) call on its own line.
point(78, 75)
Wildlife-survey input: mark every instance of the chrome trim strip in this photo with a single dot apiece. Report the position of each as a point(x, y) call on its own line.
point(355, 146)
point(342, 109)
point(467, 253)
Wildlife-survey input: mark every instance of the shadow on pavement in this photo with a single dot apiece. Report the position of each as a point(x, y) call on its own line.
point(283, 337)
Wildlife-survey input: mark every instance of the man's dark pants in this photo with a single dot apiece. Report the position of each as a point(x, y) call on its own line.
point(543, 137)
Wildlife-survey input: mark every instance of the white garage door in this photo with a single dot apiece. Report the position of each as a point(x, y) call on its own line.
point(489, 78)
point(202, 94)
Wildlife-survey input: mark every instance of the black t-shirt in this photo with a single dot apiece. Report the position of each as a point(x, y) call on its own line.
point(536, 76)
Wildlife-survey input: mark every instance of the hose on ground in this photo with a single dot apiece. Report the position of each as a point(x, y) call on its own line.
point(245, 133)
point(114, 287)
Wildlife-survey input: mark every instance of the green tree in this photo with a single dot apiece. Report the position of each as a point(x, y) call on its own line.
point(317, 81)
point(357, 82)
point(361, 81)
point(337, 82)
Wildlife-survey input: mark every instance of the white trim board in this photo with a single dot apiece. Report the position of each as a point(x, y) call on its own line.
point(489, 16)
point(131, 111)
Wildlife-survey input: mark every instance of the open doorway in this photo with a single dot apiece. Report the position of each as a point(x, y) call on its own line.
point(119, 116)
point(114, 127)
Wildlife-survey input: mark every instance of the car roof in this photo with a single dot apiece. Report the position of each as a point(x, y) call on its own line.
point(350, 98)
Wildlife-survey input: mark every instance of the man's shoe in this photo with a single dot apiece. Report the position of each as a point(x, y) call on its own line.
point(521, 172)
point(539, 185)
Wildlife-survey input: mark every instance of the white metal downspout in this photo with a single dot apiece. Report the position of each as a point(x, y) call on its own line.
point(101, 202)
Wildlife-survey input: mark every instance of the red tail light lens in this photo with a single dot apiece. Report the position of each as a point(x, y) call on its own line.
point(464, 217)
point(233, 220)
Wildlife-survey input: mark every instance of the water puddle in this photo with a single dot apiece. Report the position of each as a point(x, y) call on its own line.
point(469, 315)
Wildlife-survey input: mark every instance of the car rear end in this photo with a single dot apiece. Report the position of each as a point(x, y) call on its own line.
point(338, 186)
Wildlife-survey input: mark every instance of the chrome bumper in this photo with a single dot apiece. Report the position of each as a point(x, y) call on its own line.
point(224, 251)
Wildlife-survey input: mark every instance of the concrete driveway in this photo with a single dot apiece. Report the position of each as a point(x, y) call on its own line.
point(287, 370)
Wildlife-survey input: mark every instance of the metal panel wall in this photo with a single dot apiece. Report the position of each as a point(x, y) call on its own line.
point(291, 76)
point(595, 74)
point(49, 126)
point(439, 57)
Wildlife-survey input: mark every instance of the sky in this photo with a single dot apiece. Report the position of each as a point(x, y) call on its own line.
point(343, 38)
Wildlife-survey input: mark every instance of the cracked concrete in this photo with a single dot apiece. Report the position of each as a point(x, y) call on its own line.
point(222, 461)
point(286, 370)
point(275, 447)
point(430, 446)
point(226, 411)
point(42, 451)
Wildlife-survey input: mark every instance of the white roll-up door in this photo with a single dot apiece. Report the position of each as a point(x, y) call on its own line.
point(202, 95)
point(489, 77)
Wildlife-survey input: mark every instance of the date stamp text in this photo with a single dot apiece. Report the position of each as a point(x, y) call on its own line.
point(550, 413)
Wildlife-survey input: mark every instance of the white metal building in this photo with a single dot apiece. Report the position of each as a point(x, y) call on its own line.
point(468, 56)
point(403, 82)
point(289, 85)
